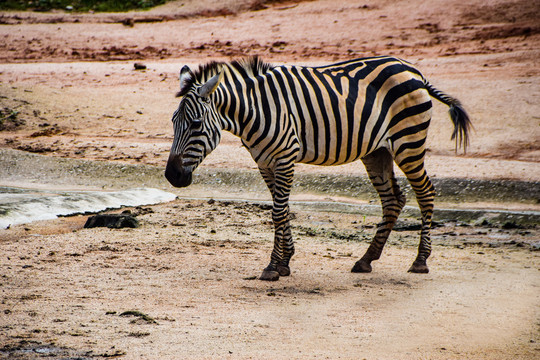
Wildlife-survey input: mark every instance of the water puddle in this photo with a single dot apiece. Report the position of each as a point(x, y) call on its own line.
point(19, 206)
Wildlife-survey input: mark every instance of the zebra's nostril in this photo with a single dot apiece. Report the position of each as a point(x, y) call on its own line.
point(170, 173)
point(177, 175)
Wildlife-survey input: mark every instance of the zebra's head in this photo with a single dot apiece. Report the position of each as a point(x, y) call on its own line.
point(196, 128)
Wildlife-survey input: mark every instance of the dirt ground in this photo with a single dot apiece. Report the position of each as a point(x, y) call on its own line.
point(189, 276)
point(186, 277)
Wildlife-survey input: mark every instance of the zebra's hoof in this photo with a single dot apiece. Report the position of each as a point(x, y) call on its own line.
point(269, 275)
point(284, 270)
point(419, 268)
point(361, 266)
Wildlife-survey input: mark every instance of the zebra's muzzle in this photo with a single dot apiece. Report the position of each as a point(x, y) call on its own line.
point(178, 175)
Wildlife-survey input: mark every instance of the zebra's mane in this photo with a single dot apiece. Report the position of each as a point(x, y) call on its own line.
point(247, 67)
point(252, 66)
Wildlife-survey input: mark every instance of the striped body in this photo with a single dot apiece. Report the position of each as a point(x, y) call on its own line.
point(338, 113)
point(374, 109)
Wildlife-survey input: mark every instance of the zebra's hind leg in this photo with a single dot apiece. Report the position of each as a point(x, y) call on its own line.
point(413, 167)
point(379, 166)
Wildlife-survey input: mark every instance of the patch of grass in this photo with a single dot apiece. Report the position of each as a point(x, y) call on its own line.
point(30, 297)
point(80, 5)
point(9, 118)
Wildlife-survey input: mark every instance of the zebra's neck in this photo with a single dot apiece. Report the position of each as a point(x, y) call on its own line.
point(238, 97)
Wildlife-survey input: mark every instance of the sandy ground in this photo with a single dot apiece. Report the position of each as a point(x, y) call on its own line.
point(192, 265)
point(69, 89)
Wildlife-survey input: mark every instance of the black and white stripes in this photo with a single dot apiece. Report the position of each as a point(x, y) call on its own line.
point(375, 109)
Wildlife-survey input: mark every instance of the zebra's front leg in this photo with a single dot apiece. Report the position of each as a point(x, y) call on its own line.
point(281, 254)
point(287, 248)
point(279, 182)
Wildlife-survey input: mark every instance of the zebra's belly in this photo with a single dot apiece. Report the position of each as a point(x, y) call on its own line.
point(329, 158)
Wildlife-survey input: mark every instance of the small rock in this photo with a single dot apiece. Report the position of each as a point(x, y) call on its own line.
point(139, 66)
point(112, 221)
point(511, 225)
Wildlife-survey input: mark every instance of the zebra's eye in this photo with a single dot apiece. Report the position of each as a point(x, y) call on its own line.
point(196, 122)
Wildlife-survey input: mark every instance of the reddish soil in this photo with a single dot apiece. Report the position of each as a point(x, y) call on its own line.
point(485, 55)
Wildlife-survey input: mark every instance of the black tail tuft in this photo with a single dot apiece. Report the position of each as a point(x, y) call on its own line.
point(460, 118)
point(462, 125)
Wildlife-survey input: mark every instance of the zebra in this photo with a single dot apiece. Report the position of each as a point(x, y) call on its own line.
point(375, 109)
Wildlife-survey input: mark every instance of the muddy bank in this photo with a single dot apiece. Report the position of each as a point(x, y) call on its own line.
point(448, 189)
point(22, 169)
point(25, 168)
point(19, 206)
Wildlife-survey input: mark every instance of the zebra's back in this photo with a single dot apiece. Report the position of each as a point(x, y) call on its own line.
point(344, 111)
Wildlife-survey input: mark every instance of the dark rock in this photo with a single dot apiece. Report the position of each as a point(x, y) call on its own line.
point(128, 22)
point(511, 225)
point(112, 221)
point(139, 66)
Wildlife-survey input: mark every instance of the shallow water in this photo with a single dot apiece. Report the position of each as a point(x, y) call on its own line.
point(19, 206)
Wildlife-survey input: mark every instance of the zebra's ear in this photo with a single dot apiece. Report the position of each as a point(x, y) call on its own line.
point(186, 80)
point(211, 85)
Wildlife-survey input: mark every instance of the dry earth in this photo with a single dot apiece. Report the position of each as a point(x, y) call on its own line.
point(69, 89)
point(191, 268)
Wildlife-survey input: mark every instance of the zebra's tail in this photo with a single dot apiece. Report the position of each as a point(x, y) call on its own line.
point(460, 118)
